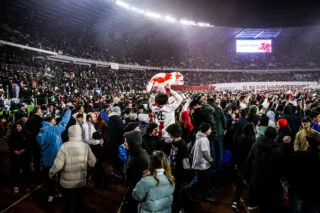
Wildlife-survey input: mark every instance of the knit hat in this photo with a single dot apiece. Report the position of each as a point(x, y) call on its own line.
point(282, 122)
point(116, 110)
point(204, 127)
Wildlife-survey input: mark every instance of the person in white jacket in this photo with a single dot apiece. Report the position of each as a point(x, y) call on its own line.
point(73, 159)
point(96, 142)
point(164, 112)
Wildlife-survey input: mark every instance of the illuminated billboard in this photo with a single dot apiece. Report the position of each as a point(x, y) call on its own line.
point(254, 46)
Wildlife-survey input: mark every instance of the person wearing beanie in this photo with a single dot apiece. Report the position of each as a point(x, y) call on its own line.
point(263, 171)
point(303, 177)
point(178, 152)
point(114, 139)
point(150, 140)
point(202, 160)
point(301, 142)
point(138, 162)
point(283, 130)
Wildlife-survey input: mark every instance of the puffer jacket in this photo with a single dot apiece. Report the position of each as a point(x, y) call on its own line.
point(49, 139)
point(73, 159)
point(154, 198)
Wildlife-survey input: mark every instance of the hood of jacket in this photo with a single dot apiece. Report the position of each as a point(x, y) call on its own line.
point(288, 109)
point(113, 116)
point(200, 135)
point(266, 143)
point(75, 133)
point(208, 108)
point(272, 116)
point(134, 140)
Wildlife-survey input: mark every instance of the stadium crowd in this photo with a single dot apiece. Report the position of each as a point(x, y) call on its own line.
point(70, 120)
point(178, 51)
point(67, 121)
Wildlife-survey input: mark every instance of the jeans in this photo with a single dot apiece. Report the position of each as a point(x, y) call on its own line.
point(219, 152)
point(301, 206)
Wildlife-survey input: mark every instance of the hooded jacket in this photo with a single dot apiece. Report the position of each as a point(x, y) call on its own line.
point(49, 139)
point(154, 198)
point(138, 158)
point(202, 145)
point(73, 159)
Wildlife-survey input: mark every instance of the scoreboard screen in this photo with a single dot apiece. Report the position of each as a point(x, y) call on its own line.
point(254, 46)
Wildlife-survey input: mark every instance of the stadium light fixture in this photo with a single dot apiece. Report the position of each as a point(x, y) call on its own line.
point(159, 16)
point(170, 19)
point(123, 4)
point(153, 15)
point(187, 22)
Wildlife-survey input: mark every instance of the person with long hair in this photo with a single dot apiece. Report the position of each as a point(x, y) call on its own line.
point(155, 190)
point(18, 144)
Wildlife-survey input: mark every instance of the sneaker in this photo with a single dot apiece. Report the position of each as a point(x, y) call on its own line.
point(235, 207)
point(251, 208)
point(16, 189)
point(50, 199)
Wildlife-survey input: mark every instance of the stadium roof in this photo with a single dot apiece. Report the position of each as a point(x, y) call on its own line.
point(105, 16)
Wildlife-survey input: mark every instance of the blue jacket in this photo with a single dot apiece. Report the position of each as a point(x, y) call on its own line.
point(49, 139)
point(315, 126)
point(154, 198)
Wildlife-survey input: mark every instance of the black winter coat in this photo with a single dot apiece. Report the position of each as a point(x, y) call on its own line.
point(303, 175)
point(293, 120)
point(151, 143)
point(263, 167)
point(18, 140)
point(115, 128)
point(282, 132)
point(204, 114)
point(243, 145)
point(34, 125)
point(138, 158)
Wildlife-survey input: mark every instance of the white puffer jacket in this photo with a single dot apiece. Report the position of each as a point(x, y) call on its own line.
point(73, 159)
